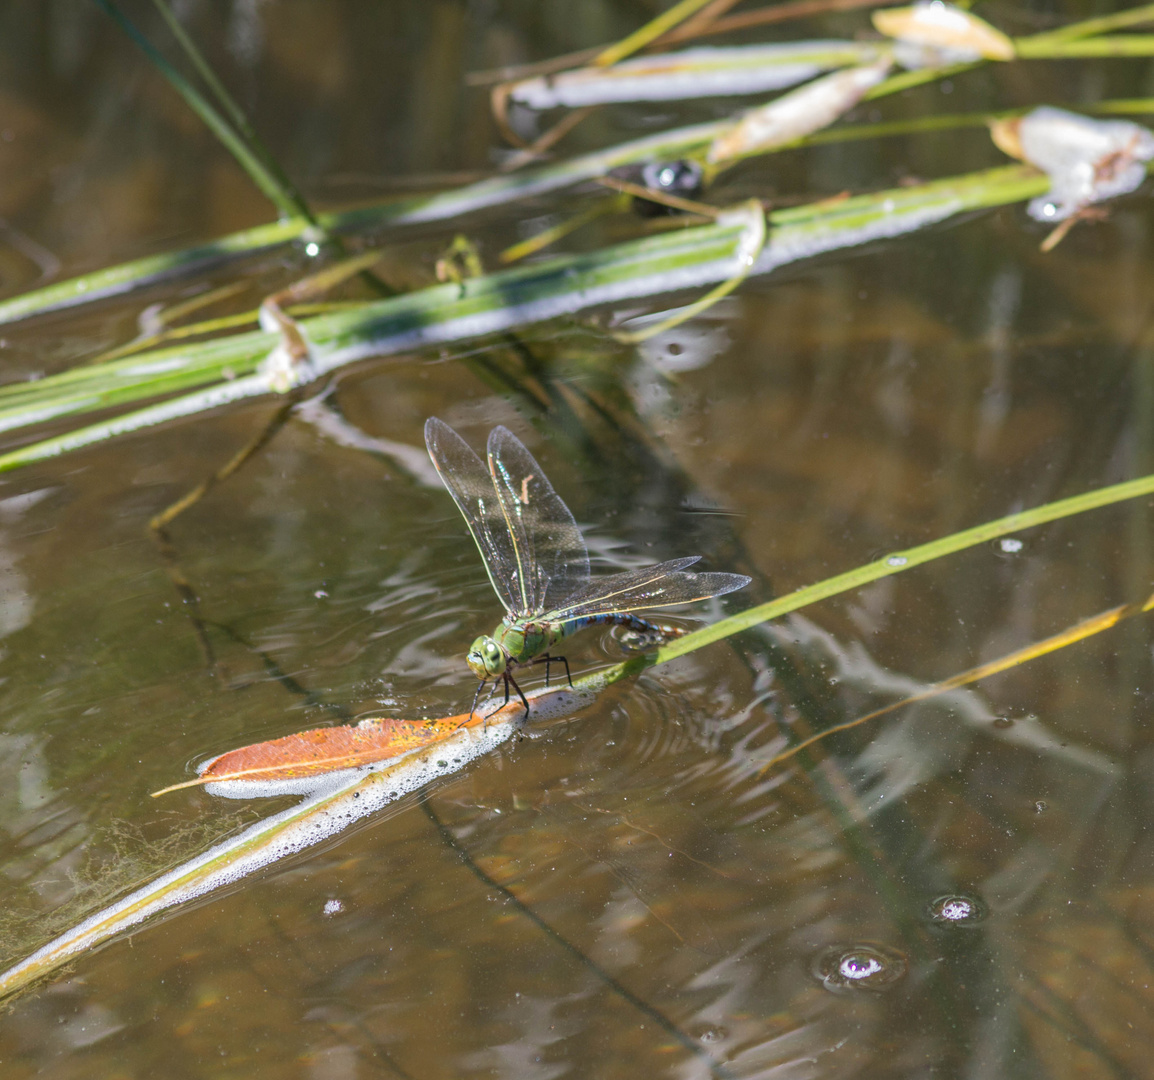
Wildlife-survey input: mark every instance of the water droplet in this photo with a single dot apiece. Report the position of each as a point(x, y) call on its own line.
point(1010, 545)
point(957, 909)
point(1003, 722)
point(897, 560)
point(863, 966)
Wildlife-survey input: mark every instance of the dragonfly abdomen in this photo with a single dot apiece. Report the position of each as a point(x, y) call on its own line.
point(642, 627)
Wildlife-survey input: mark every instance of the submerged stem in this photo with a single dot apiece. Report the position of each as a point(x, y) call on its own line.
point(236, 114)
point(257, 170)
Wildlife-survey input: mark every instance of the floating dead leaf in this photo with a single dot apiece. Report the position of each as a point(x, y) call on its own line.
point(1005, 136)
point(694, 73)
point(1087, 160)
point(798, 113)
point(331, 749)
point(936, 25)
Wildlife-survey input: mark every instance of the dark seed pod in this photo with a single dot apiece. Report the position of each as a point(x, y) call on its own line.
point(683, 179)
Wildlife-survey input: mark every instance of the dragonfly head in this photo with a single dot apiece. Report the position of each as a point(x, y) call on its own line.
point(486, 658)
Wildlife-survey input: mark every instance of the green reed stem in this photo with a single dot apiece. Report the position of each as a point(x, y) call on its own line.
point(1080, 48)
point(907, 80)
point(896, 563)
point(1103, 24)
point(681, 142)
point(651, 31)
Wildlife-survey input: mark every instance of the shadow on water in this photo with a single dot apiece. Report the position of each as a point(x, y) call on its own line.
point(961, 889)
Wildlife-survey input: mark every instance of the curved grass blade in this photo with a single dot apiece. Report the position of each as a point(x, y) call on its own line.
point(146, 375)
point(706, 71)
point(174, 409)
point(1101, 25)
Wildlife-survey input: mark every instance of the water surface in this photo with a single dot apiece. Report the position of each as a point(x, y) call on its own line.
point(959, 889)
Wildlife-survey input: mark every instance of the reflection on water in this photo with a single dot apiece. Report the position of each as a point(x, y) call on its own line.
point(630, 892)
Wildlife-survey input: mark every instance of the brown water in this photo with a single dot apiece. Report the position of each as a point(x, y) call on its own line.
point(592, 901)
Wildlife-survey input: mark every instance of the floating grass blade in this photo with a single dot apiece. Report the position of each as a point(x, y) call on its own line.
point(1072, 49)
point(142, 273)
point(1102, 25)
point(896, 563)
point(495, 191)
point(685, 259)
point(335, 801)
point(134, 379)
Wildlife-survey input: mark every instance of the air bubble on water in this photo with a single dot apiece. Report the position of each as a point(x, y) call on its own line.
point(897, 560)
point(333, 907)
point(863, 966)
point(1003, 722)
point(1041, 806)
point(957, 909)
point(859, 966)
point(1010, 545)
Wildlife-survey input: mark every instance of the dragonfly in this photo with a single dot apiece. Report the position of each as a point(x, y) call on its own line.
point(538, 564)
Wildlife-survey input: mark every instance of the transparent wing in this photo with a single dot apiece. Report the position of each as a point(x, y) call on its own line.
point(551, 561)
point(471, 486)
point(664, 585)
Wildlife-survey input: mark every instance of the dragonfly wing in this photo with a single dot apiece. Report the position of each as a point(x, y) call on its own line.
point(665, 585)
point(471, 486)
point(551, 561)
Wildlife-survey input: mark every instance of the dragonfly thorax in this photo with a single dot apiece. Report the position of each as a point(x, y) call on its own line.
point(486, 658)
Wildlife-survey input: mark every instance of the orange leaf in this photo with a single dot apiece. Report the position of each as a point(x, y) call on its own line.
point(325, 750)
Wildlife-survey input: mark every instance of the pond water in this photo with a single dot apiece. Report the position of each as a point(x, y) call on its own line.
point(961, 888)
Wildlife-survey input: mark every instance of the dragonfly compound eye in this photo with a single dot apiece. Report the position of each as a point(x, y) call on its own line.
point(485, 658)
point(494, 657)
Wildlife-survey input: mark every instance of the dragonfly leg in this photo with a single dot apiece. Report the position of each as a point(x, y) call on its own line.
point(480, 687)
point(557, 660)
point(547, 660)
point(509, 680)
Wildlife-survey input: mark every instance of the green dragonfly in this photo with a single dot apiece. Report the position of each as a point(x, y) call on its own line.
point(538, 563)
